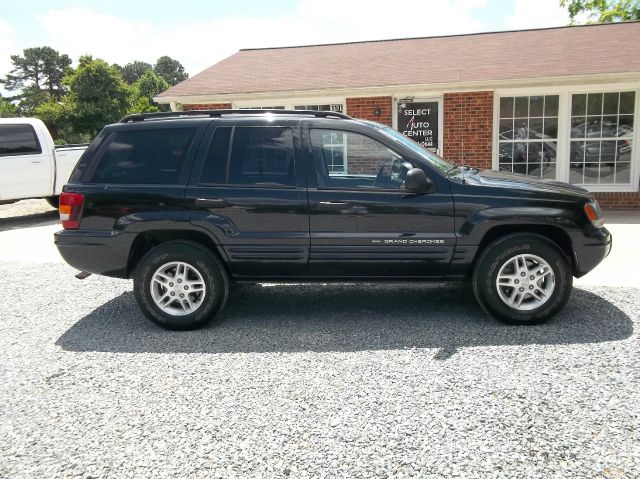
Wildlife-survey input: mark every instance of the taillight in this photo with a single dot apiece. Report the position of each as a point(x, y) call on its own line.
point(70, 210)
point(594, 213)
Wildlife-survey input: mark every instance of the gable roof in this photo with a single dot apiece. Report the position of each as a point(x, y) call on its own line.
point(513, 55)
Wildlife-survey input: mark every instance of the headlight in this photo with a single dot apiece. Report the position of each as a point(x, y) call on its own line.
point(594, 213)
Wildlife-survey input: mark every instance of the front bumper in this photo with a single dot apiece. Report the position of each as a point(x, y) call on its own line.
point(98, 252)
point(589, 253)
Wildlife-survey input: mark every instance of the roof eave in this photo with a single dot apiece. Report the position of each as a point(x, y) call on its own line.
point(613, 77)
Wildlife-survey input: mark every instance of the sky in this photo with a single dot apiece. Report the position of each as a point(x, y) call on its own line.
point(200, 33)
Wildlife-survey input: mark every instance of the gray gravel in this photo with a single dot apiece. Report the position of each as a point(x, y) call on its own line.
point(313, 381)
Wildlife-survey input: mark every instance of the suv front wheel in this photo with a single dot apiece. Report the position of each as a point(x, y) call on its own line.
point(180, 285)
point(522, 279)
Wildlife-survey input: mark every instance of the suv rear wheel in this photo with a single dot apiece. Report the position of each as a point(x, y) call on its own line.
point(522, 279)
point(180, 285)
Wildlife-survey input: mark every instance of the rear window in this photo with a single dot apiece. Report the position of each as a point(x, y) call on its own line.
point(18, 140)
point(144, 156)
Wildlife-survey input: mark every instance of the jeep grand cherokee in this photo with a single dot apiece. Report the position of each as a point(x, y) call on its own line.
point(186, 202)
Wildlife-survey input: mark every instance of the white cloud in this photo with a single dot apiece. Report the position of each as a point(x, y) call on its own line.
point(7, 47)
point(77, 31)
point(537, 14)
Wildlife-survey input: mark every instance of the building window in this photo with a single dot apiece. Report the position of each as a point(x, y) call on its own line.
point(332, 107)
point(528, 135)
point(335, 150)
point(601, 138)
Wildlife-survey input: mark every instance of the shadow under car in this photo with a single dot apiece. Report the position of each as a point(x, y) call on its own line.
point(344, 318)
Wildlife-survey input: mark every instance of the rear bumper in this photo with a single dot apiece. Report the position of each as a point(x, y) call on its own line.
point(594, 247)
point(98, 252)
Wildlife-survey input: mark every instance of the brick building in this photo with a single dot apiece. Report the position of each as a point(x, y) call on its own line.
point(558, 103)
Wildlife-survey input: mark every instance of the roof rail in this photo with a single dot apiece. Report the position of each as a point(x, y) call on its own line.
point(218, 113)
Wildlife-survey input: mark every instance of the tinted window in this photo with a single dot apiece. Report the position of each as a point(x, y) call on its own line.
point(144, 156)
point(215, 167)
point(18, 140)
point(262, 156)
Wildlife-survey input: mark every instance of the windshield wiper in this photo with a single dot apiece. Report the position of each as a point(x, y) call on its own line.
point(450, 170)
point(462, 167)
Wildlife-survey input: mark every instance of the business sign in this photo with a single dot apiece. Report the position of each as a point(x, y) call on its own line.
point(419, 121)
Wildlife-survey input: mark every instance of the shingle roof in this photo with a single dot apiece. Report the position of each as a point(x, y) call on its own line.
point(553, 52)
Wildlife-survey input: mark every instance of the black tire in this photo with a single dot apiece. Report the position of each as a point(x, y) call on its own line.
point(54, 201)
point(497, 254)
point(207, 265)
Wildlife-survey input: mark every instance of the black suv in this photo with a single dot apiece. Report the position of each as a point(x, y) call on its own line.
point(184, 203)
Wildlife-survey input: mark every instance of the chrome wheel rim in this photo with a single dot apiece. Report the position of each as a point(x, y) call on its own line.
point(525, 282)
point(178, 288)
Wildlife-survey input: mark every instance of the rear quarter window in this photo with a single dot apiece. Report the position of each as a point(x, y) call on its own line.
point(152, 156)
point(18, 140)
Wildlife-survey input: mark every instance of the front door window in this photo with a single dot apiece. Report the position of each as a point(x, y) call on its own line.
point(366, 162)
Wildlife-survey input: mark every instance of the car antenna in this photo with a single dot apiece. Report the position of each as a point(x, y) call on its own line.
point(462, 129)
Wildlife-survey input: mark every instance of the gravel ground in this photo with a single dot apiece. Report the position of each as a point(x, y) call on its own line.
point(313, 381)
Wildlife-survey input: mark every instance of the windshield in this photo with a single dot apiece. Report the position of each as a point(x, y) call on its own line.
point(432, 158)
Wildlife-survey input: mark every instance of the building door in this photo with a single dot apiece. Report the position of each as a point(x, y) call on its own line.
point(421, 120)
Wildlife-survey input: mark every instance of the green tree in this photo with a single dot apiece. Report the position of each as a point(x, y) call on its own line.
point(603, 11)
point(39, 69)
point(171, 70)
point(30, 99)
point(132, 71)
point(7, 109)
point(150, 84)
point(97, 96)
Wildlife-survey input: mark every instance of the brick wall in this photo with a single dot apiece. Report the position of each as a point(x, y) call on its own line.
point(468, 128)
point(365, 155)
point(616, 200)
point(206, 106)
point(365, 107)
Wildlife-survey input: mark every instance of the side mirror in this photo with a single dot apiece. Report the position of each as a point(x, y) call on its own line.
point(418, 182)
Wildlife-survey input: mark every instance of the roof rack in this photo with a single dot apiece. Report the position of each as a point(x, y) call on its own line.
point(218, 113)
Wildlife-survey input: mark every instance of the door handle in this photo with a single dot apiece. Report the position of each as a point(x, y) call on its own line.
point(332, 205)
point(211, 202)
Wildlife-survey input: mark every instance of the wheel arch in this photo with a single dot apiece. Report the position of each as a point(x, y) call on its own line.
point(555, 234)
point(144, 242)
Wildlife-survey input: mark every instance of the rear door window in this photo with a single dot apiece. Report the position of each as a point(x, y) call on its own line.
point(152, 156)
point(260, 156)
point(18, 140)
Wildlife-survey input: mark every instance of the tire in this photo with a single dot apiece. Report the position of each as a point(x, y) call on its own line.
point(189, 264)
point(539, 298)
point(54, 201)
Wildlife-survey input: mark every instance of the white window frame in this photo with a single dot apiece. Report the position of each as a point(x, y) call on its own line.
point(564, 128)
point(290, 103)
